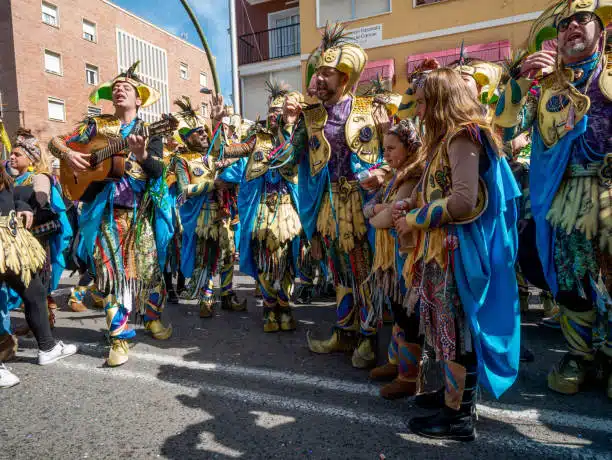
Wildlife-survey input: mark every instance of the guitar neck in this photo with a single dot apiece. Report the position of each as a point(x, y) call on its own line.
point(114, 147)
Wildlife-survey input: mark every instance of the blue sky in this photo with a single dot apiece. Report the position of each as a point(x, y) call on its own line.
point(213, 16)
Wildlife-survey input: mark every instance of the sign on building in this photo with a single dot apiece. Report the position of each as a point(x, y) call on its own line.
point(367, 36)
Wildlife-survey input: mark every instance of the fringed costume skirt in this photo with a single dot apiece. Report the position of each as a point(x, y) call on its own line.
point(20, 251)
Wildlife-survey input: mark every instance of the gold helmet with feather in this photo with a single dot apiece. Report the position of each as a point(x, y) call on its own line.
point(189, 120)
point(147, 94)
point(338, 52)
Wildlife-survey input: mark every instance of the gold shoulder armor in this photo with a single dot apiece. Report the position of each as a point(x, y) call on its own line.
point(257, 165)
point(318, 146)
point(361, 133)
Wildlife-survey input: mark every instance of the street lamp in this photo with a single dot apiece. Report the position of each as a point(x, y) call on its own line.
point(205, 90)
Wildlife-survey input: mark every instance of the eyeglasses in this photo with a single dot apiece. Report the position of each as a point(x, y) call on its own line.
point(582, 18)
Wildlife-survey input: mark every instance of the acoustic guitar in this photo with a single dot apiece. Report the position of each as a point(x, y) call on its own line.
point(107, 158)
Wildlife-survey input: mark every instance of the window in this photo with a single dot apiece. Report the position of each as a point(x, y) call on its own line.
point(204, 110)
point(94, 111)
point(57, 109)
point(89, 31)
point(53, 62)
point(425, 2)
point(184, 69)
point(203, 80)
point(349, 10)
point(131, 49)
point(91, 74)
point(49, 14)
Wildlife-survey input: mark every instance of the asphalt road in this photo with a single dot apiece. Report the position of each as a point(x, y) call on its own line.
point(222, 389)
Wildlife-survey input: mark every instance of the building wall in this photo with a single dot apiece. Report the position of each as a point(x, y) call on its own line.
point(258, 14)
point(31, 37)
point(8, 76)
point(404, 21)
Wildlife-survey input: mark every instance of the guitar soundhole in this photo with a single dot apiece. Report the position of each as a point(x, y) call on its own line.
point(93, 160)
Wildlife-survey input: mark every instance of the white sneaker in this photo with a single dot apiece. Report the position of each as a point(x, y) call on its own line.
point(7, 378)
point(59, 351)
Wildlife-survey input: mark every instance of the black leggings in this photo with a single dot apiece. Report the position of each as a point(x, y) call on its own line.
point(35, 301)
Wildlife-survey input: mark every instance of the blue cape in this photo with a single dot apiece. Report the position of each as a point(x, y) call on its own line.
point(546, 171)
point(92, 213)
point(189, 212)
point(484, 268)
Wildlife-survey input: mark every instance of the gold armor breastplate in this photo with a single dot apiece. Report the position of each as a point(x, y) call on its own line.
point(561, 106)
point(199, 170)
point(257, 165)
point(360, 130)
point(108, 127)
point(438, 183)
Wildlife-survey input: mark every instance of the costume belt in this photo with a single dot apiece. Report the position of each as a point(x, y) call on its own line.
point(275, 199)
point(11, 222)
point(591, 170)
point(344, 187)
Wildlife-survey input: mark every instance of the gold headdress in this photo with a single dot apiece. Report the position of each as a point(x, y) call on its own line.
point(545, 27)
point(147, 94)
point(335, 51)
point(486, 74)
point(277, 93)
point(188, 119)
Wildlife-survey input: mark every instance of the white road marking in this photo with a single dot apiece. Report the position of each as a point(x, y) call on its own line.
point(514, 443)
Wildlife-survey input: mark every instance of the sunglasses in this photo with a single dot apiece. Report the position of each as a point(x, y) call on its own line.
point(582, 18)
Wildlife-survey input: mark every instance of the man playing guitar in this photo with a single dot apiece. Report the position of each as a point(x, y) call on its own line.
point(126, 223)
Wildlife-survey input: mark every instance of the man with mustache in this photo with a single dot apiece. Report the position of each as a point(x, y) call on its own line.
point(341, 165)
point(570, 111)
point(124, 226)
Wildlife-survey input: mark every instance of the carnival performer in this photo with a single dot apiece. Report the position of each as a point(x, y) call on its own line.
point(460, 276)
point(268, 206)
point(51, 225)
point(21, 259)
point(570, 113)
point(125, 226)
point(207, 244)
point(344, 139)
point(402, 153)
point(173, 145)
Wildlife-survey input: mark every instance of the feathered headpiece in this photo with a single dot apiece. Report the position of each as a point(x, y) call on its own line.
point(277, 91)
point(338, 52)
point(147, 94)
point(545, 27)
point(188, 118)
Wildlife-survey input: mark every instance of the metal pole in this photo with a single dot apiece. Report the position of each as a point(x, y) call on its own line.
point(209, 54)
point(234, 39)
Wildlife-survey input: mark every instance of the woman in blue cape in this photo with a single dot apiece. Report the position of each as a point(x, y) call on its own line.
point(461, 277)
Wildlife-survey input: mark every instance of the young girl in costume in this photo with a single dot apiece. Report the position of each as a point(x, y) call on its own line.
point(21, 258)
point(401, 146)
point(51, 226)
point(460, 275)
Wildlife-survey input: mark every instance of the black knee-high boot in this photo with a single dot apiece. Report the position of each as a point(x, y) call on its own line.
point(456, 422)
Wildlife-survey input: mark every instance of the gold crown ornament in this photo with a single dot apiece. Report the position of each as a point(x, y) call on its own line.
point(147, 94)
point(337, 52)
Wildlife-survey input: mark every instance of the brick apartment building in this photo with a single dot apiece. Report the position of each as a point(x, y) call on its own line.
point(54, 53)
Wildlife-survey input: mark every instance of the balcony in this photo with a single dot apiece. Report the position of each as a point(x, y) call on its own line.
point(280, 42)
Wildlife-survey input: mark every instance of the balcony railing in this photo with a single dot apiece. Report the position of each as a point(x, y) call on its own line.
point(269, 44)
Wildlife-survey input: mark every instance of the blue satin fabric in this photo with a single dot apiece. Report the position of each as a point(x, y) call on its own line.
point(189, 212)
point(546, 171)
point(484, 267)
